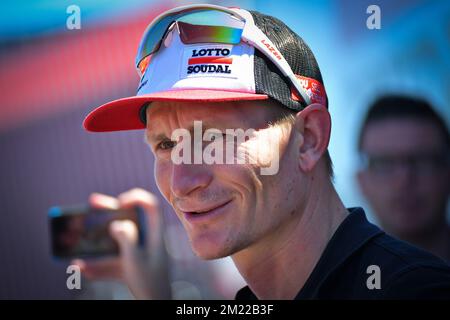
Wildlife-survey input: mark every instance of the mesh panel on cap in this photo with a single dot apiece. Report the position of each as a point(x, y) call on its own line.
point(268, 79)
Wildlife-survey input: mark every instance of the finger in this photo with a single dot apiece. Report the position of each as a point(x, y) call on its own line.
point(126, 234)
point(136, 268)
point(139, 197)
point(80, 263)
point(149, 202)
point(103, 201)
point(144, 271)
point(104, 269)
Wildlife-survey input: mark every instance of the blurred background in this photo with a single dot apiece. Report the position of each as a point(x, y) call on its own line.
point(51, 77)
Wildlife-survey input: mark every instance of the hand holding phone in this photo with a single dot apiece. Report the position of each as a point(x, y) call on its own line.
point(84, 232)
point(144, 269)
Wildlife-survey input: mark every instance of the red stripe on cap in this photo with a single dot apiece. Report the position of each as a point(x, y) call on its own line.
point(210, 60)
point(313, 88)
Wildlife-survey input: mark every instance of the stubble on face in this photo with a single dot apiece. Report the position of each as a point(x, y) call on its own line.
point(256, 199)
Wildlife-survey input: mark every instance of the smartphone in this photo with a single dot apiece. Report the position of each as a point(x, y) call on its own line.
point(83, 232)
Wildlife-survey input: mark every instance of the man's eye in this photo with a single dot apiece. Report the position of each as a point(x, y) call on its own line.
point(166, 145)
point(380, 163)
point(212, 135)
point(215, 135)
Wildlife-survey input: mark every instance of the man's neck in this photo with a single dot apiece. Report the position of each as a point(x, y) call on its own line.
point(278, 266)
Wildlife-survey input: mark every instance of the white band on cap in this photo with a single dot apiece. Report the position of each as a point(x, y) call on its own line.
point(199, 66)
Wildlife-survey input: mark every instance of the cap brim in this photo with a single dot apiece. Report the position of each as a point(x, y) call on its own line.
point(123, 114)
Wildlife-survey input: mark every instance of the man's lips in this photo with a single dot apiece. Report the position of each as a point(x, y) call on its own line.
point(204, 209)
point(207, 214)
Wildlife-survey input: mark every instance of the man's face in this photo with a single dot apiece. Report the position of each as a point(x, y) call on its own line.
point(242, 206)
point(407, 180)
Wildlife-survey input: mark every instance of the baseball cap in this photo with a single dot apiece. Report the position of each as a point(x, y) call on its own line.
point(216, 72)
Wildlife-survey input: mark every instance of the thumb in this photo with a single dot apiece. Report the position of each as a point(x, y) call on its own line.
point(135, 262)
point(125, 233)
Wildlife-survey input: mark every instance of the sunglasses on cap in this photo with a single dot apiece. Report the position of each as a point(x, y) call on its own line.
point(212, 24)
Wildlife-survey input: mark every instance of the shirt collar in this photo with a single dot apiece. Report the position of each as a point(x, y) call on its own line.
point(351, 235)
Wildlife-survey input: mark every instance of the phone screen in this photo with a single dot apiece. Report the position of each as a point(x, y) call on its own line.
point(83, 232)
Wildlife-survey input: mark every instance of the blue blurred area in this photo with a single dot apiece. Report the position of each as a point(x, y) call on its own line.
point(33, 18)
point(48, 159)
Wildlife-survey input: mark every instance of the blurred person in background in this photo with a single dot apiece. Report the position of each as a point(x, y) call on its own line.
point(405, 151)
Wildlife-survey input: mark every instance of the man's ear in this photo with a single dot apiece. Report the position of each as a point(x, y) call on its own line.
point(314, 124)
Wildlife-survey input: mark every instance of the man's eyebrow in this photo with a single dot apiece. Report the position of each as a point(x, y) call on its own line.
point(149, 138)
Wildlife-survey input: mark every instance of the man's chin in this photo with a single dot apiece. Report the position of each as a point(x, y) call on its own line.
point(210, 255)
point(209, 250)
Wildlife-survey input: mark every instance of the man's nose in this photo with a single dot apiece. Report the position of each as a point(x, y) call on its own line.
point(404, 176)
point(187, 178)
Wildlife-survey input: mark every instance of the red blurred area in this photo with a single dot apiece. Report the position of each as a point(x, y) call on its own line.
point(40, 77)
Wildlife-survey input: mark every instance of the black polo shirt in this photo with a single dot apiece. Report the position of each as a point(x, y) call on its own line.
point(362, 262)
